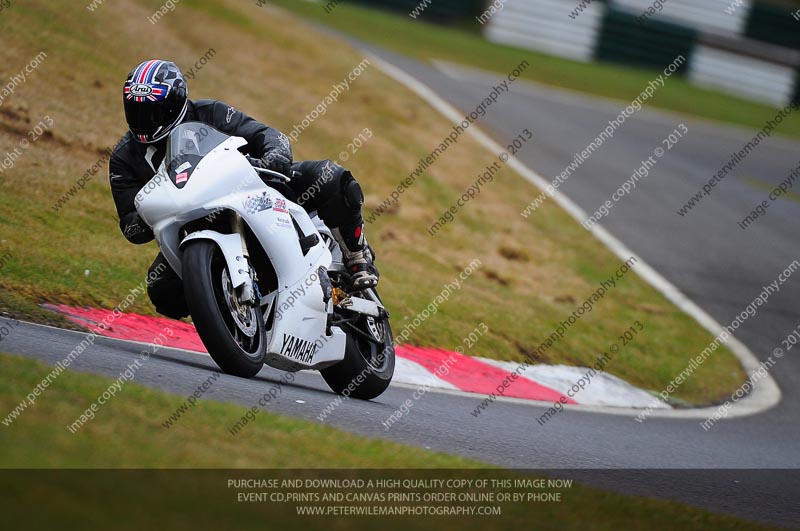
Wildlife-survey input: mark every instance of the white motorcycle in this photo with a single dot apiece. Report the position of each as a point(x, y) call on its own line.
point(264, 280)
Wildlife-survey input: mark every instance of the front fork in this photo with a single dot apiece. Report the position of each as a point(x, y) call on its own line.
point(249, 291)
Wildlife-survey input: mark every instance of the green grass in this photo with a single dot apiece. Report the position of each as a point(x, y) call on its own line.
point(624, 83)
point(521, 291)
point(127, 433)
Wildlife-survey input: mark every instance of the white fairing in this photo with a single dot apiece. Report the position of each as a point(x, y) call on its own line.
point(225, 180)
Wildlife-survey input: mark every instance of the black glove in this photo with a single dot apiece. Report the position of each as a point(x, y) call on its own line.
point(276, 162)
point(135, 230)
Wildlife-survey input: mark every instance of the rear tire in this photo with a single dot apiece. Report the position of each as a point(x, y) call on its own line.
point(233, 333)
point(368, 366)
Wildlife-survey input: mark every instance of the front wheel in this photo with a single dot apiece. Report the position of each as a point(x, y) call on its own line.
point(368, 364)
point(233, 332)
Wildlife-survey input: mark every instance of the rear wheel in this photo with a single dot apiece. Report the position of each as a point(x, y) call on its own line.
point(368, 364)
point(232, 331)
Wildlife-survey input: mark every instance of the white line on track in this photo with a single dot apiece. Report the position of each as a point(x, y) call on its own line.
point(764, 395)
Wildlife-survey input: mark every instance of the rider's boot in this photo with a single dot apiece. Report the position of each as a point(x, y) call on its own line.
point(359, 258)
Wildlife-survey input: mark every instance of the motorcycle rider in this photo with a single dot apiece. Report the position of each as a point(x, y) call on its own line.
point(156, 100)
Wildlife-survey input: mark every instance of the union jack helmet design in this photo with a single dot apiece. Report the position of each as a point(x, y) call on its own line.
point(155, 97)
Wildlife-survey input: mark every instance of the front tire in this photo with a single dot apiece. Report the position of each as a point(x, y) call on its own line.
point(368, 364)
point(232, 332)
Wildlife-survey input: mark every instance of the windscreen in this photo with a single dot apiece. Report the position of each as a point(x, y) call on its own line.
point(186, 146)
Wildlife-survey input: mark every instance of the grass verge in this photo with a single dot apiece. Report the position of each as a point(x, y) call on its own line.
point(127, 433)
point(534, 272)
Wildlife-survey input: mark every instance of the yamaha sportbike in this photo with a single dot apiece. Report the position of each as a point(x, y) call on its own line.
point(264, 280)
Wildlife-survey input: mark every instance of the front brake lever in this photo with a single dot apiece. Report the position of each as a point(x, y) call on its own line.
point(275, 174)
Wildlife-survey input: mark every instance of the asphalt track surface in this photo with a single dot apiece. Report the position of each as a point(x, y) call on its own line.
point(705, 254)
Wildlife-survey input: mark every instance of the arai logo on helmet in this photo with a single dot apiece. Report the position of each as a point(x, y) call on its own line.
point(141, 89)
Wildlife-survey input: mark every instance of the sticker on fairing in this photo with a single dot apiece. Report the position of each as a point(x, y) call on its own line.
point(257, 203)
point(284, 222)
point(297, 348)
point(183, 167)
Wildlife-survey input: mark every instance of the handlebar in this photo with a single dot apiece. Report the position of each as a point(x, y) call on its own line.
point(275, 174)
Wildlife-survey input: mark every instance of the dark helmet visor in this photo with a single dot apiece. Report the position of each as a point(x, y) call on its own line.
point(148, 116)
